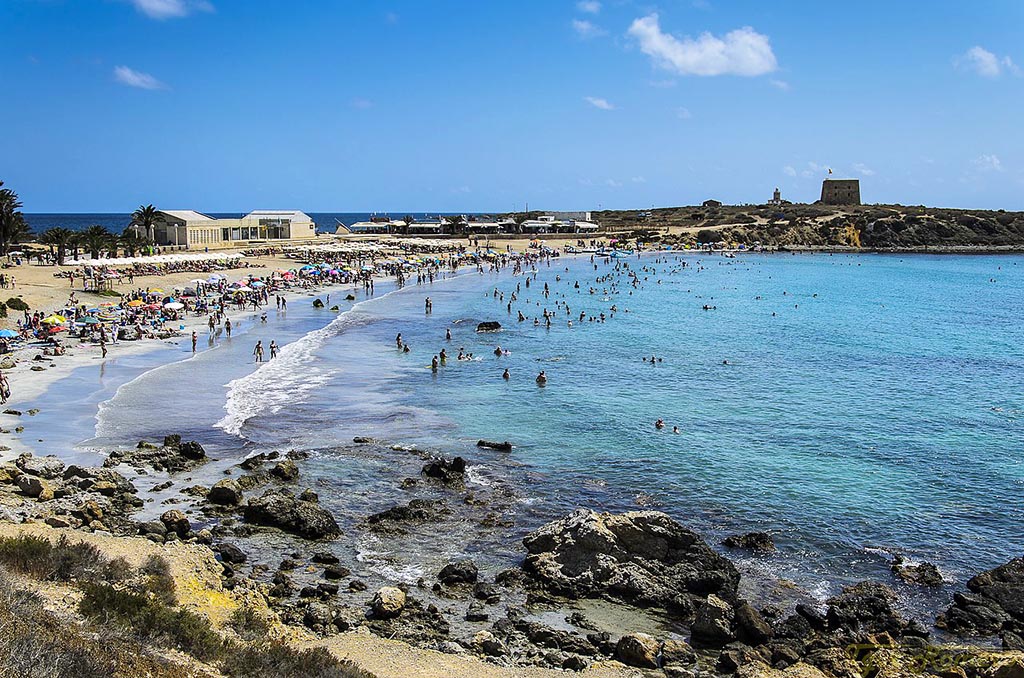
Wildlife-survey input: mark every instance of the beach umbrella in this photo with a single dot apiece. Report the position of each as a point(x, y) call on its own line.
point(152, 307)
point(59, 328)
point(243, 288)
point(156, 290)
point(7, 334)
point(135, 303)
point(93, 310)
point(89, 320)
point(257, 283)
point(54, 320)
point(174, 306)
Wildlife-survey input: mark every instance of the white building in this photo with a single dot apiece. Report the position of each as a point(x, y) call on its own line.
point(194, 230)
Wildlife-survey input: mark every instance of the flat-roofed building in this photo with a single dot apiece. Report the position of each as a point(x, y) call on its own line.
point(194, 230)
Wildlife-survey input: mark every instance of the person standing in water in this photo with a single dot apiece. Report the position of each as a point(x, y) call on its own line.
point(448, 334)
point(542, 378)
point(428, 306)
point(433, 364)
point(227, 327)
point(505, 375)
point(195, 338)
point(398, 340)
point(273, 349)
point(258, 351)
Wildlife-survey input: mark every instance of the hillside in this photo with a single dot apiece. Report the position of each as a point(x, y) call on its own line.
point(867, 226)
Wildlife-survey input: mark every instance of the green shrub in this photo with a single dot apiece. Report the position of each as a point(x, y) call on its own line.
point(26, 554)
point(159, 581)
point(278, 660)
point(248, 624)
point(40, 558)
point(151, 620)
point(17, 304)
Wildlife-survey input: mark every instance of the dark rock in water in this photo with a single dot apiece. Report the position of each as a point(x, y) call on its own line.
point(446, 471)
point(994, 603)
point(172, 440)
point(641, 557)
point(285, 470)
point(310, 496)
point(278, 508)
point(225, 492)
point(489, 326)
point(866, 607)
point(336, 572)
point(317, 303)
point(176, 522)
point(192, 450)
point(755, 541)
point(173, 456)
point(416, 511)
point(491, 445)
point(476, 612)
point(253, 462)
point(362, 440)
point(230, 553)
point(925, 574)
point(325, 558)
point(350, 297)
point(461, 572)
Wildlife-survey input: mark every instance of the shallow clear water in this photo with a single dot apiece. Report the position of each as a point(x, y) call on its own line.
point(870, 405)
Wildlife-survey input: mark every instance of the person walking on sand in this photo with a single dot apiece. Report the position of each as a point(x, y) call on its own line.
point(195, 338)
point(273, 349)
point(258, 351)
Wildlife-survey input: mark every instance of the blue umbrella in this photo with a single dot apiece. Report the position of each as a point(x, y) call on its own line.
point(8, 334)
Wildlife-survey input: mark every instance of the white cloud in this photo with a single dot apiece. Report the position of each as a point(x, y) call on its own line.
point(611, 183)
point(589, 6)
point(133, 78)
point(683, 113)
point(789, 171)
point(586, 29)
point(988, 163)
point(863, 169)
point(780, 84)
point(171, 9)
point(984, 63)
point(598, 102)
point(740, 52)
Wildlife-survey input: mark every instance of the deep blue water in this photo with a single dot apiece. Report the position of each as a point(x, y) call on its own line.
point(869, 405)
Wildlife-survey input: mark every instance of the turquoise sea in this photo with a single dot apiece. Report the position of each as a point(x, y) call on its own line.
point(854, 406)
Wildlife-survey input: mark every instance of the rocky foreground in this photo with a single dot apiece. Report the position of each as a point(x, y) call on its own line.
point(642, 561)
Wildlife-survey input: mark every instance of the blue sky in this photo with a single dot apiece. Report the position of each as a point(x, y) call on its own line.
point(227, 105)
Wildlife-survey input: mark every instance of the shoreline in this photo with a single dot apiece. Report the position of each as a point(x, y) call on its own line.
point(306, 293)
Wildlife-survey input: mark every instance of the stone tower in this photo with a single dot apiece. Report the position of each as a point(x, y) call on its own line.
point(840, 191)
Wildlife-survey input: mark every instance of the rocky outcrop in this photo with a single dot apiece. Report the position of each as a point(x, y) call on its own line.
point(925, 574)
point(505, 446)
point(225, 492)
point(753, 541)
point(48, 467)
point(641, 557)
point(488, 326)
point(395, 519)
point(173, 456)
point(450, 472)
point(992, 605)
point(279, 508)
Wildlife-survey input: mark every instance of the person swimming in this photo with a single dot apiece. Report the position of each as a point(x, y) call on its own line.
point(497, 351)
point(505, 375)
point(660, 424)
point(542, 378)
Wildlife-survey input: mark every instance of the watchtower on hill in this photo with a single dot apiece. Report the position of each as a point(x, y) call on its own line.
point(840, 191)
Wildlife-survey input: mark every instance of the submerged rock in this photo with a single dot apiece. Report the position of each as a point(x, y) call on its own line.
point(278, 508)
point(755, 541)
point(415, 512)
point(641, 557)
point(491, 445)
point(925, 574)
point(446, 471)
point(461, 572)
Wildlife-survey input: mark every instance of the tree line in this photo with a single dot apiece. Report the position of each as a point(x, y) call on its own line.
point(95, 240)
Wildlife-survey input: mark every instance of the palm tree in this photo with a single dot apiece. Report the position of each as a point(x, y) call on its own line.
point(143, 219)
point(59, 238)
point(132, 242)
point(95, 239)
point(12, 224)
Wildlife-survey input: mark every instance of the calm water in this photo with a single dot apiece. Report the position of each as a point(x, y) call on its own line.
point(870, 405)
